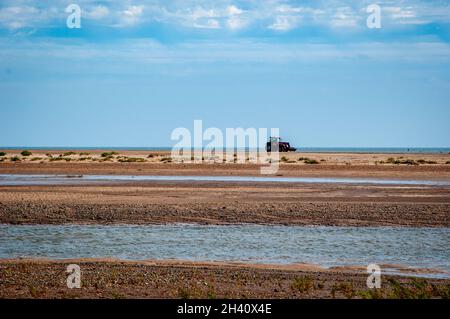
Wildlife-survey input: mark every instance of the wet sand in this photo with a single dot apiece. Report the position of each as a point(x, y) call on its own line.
point(224, 203)
point(228, 203)
point(183, 279)
point(420, 172)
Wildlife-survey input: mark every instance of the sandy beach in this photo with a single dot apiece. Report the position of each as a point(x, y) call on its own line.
point(354, 165)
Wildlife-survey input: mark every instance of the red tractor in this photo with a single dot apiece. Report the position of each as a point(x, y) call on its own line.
point(275, 144)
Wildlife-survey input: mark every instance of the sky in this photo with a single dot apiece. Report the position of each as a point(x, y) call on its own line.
point(136, 70)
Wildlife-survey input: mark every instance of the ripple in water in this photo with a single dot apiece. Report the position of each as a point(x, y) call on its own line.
point(326, 246)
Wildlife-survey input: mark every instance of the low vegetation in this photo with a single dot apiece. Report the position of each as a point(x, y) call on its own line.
point(303, 284)
point(26, 153)
point(417, 289)
point(401, 161)
point(311, 161)
point(2, 154)
point(307, 160)
point(109, 154)
point(345, 288)
point(60, 158)
point(131, 160)
point(69, 153)
point(421, 161)
point(392, 160)
point(15, 159)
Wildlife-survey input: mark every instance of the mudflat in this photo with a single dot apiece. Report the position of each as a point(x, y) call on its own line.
point(225, 203)
point(184, 279)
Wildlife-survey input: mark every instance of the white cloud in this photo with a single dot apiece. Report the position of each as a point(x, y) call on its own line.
point(230, 17)
point(235, 21)
point(288, 9)
point(19, 17)
point(233, 10)
point(400, 13)
point(131, 15)
point(284, 23)
point(98, 12)
point(200, 13)
point(344, 17)
point(279, 15)
point(208, 24)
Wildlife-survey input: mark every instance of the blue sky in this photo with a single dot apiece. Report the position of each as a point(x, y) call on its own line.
point(136, 70)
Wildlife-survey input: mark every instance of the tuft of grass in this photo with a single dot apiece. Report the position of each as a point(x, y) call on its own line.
point(166, 159)
point(399, 161)
point(370, 294)
point(150, 156)
point(284, 159)
point(131, 160)
point(392, 160)
point(34, 292)
point(346, 288)
point(26, 153)
point(2, 154)
point(34, 159)
point(109, 154)
point(60, 158)
point(418, 288)
point(184, 293)
point(307, 160)
point(303, 284)
point(85, 154)
point(448, 162)
point(69, 153)
point(422, 161)
point(15, 159)
point(311, 161)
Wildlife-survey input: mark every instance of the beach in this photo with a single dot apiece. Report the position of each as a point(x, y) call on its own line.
point(213, 202)
point(195, 280)
point(413, 193)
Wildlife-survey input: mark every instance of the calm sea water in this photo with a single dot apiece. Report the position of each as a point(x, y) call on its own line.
point(325, 246)
point(393, 150)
